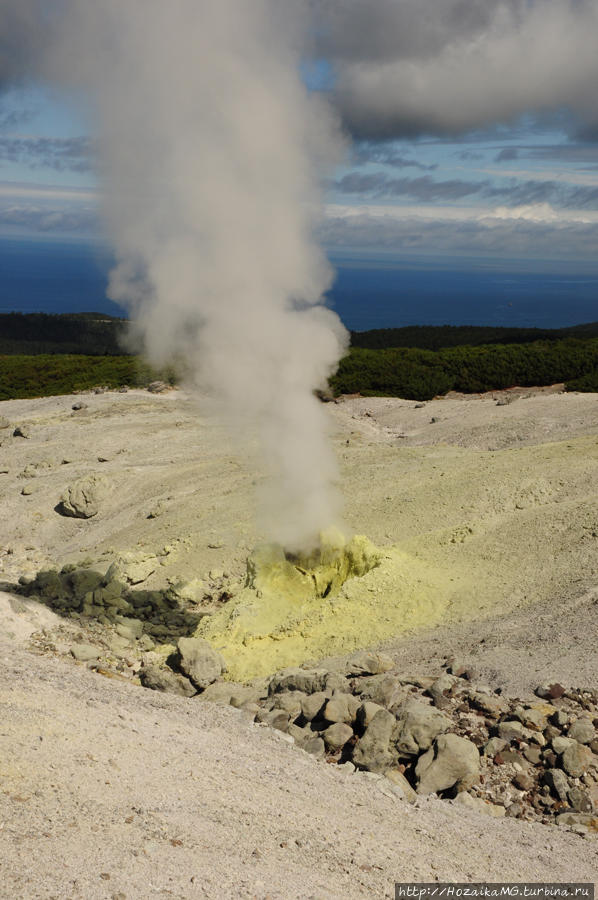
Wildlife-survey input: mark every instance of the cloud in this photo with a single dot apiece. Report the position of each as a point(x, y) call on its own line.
point(14, 118)
point(409, 67)
point(60, 154)
point(514, 192)
point(381, 30)
point(533, 232)
point(21, 37)
point(36, 209)
point(566, 153)
point(34, 219)
point(507, 153)
point(366, 152)
point(423, 188)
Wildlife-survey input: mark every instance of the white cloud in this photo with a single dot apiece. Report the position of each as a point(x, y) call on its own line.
point(421, 66)
point(533, 232)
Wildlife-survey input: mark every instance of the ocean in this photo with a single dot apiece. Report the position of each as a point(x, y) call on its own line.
point(52, 277)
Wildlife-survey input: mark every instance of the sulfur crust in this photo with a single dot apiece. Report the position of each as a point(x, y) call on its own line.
point(279, 619)
point(514, 527)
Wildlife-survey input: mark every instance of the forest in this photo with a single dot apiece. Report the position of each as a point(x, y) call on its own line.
point(44, 355)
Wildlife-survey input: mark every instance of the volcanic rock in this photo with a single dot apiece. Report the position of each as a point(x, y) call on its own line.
point(130, 629)
point(491, 704)
point(341, 708)
point(418, 725)
point(576, 759)
point(84, 497)
point(523, 781)
point(275, 718)
point(480, 805)
point(373, 751)
point(441, 689)
point(560, 743)
point(452, 761)
point(576, 818)
point(579, 800)
point(385, 690)
point(363, 663)
point(219, 692)
point(82, 581)
point(366, 713)
point(550, 691)
point(132, 567)
point(199, 661)
point(494, 746)
point(314, 746)
point(309, 681)
point(291, 702)
point(582, 731)
point(533, 755)
point(558, 783)
point(85, 652)
point(458, 667)
point(398, 779)
point(512, 730)
point(313, 704)
point(161, 679)
point(337, 735)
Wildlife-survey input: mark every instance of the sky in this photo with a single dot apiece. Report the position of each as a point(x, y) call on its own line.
point(470, 134)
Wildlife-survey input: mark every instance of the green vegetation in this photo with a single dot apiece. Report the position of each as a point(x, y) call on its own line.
point(92, 334)
point(586, 384)
point(46, 355)
point(47, 375)
point(435, 337)
point(422, 374)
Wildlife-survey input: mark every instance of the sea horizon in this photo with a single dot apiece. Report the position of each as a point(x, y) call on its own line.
point(55, 277)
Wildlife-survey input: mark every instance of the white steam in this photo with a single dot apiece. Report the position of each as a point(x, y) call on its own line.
point(208, 147)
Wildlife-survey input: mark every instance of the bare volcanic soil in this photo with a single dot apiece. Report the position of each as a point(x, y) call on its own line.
point(128, 529)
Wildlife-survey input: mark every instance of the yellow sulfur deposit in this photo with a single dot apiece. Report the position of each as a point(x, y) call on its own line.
point(343, 596)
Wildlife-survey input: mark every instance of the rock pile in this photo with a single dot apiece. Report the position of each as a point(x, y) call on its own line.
point(111, 600)
point(533, 759)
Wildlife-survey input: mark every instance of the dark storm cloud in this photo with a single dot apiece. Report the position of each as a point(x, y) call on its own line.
point(407, 67)
point(23, 28)
point(382, 30)
point(59, 154)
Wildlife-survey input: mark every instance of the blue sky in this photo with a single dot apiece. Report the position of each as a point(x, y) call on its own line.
point(473, 130)
point(521, 192)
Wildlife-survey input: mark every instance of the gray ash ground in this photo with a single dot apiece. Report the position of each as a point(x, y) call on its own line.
point(531, 759)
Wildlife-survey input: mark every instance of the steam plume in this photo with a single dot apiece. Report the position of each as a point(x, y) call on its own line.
point(208, 143)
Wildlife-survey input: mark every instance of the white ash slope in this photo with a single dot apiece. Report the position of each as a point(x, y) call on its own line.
point(112, 790)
